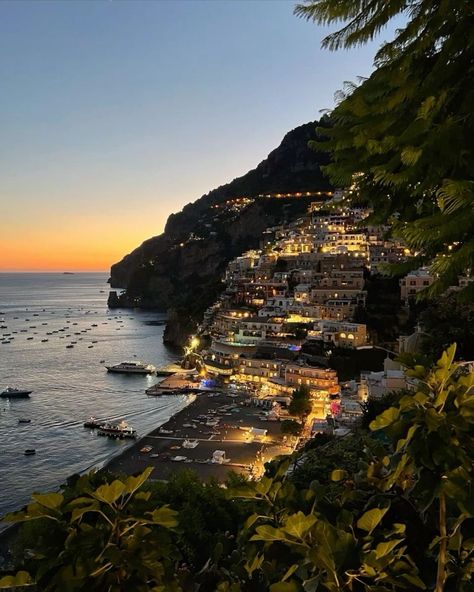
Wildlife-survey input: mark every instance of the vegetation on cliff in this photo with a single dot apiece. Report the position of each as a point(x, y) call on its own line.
point(405, 133)
point(387, 509)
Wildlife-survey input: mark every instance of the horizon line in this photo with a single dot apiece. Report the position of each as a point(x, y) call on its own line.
point(54, 271)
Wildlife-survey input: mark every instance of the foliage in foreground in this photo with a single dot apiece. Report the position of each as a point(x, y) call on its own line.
point(405, 133)
point(395, 514)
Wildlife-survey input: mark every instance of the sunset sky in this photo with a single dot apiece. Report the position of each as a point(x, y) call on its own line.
point(115, 114)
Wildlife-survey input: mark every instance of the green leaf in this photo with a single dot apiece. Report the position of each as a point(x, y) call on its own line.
point(298, 524)
point(110, 492)
point(254, 564)
point(133, 483)
point(251, 521)
point(404, 441)
point(338, 475)
point(165, 516)
point(414, 580)
point(268, 533)
point(284, 587)
point(371, 519)
point(290, 571)
point(21, 578)
point(385, 419)
point(79, 512)
point(383, 549)
point(49, 500)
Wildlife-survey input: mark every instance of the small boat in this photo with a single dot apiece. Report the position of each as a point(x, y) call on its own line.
point(29, 338)
point(30, 452)
point(24, 420)
point(69, 346)
point(44, 340)
point(146, 449)
point(190, 443)
point(93, 422)
point(14, 393)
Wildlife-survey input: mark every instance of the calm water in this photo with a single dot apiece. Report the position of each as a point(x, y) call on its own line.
point(69, 385)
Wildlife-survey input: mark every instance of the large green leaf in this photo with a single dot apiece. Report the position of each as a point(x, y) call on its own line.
point(385, 419)
point(49, 500)
point(110, 492)
point(133, 483)
point(383, 549)
point(298, 524)
point(165, 516)
point(371, 519)
point(269, 533)
point(21, 578)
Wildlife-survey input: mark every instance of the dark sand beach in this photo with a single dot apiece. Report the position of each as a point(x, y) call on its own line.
point(245, 454)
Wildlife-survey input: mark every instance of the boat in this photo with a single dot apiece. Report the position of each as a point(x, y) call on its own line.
point(69, 346)
point(30, 452)
point(135, 367)
point(190, 443)
point(121, 430)
point(14, 393)
point(146, 449)
point(23, 420)
point(93, 422)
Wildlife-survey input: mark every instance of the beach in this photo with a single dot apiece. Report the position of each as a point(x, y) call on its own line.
point(232, 416)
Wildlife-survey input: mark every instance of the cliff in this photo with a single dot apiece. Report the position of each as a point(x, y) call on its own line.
point(180, 270)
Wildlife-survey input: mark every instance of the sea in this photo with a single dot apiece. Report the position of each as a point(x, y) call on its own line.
point(40, 314)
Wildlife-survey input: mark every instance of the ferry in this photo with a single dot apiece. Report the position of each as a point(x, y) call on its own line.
point(132, 368)
point(120, 431)
point(14, 393)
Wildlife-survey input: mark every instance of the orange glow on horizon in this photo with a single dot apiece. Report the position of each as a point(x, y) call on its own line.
point(81, 244)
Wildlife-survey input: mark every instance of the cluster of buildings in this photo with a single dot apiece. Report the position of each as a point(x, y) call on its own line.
point(304, 286)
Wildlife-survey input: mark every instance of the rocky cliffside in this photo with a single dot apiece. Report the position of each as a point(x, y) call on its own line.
point(180, 271)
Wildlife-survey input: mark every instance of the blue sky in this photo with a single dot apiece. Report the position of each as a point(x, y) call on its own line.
point(115, 114)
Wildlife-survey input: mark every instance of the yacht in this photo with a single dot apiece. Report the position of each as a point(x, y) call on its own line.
point(14, 393)
point(132, 368)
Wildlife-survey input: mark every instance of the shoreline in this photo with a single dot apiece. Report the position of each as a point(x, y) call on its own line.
point(215, 422)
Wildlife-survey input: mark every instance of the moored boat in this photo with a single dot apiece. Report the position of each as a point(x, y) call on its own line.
point(93, 422)
point(120, 431)
point(14, 393)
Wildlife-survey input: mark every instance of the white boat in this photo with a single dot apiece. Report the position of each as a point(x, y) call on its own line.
point(190, 443)
point(134, 367)
point(14, 393)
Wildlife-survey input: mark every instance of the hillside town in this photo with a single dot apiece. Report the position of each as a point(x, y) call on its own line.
point(301, 292)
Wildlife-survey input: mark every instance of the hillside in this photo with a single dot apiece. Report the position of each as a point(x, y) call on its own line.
point(180, 270)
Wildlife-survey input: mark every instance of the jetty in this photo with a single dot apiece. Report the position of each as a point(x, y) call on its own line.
point(175, 384)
